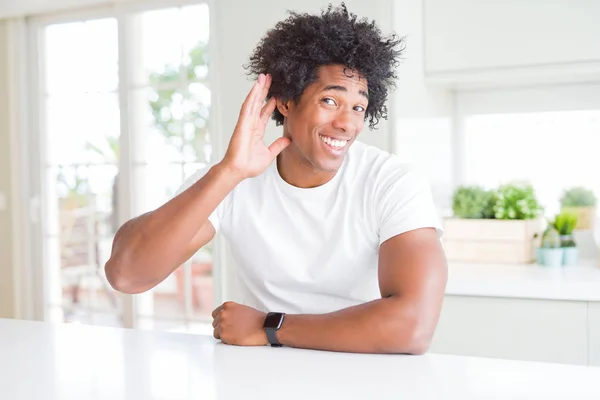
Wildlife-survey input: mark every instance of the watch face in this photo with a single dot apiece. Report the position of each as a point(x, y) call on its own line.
point(273, 320)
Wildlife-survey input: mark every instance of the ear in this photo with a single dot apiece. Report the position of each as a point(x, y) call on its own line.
point(283, 107)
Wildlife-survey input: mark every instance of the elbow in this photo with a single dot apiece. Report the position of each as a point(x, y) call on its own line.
point(419, 344)
point(115, 277)
point(412, 337)
point(414, 343)
point(118, 280)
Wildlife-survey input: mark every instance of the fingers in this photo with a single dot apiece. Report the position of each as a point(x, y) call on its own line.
point(277, 146)
point(221, 307)
point(217, 311)
point(267, 111)
point(215, 323)
point(245, 110)
point(264, 84)
point(248, 105)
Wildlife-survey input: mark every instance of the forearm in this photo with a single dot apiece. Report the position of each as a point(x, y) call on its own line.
point(381, 326)
point(147, 249)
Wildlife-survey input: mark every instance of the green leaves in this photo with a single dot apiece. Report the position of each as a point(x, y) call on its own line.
point(565, 223)
point(178, 104)
point(578, 197)
point(516, 201)
point(473, 202)
point(510, 201)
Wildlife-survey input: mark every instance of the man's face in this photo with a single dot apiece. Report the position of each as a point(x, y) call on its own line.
point(328, 117)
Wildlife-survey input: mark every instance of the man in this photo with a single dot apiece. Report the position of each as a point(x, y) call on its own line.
point(336, 243)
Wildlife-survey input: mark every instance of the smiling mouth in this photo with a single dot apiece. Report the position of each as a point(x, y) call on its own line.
point(333, 143)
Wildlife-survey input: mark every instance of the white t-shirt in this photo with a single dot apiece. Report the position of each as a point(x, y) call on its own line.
point(316, 250)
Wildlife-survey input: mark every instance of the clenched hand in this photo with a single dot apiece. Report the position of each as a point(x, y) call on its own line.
point(239, 325)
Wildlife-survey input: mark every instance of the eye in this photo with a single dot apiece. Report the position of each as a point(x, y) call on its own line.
point(359, 109)
point(329, 100)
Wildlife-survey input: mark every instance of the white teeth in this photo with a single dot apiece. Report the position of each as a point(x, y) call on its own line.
point(333, 142)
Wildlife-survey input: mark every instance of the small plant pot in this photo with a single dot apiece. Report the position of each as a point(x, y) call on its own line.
point(551, 257)
point(540, 255)
point(567, 241)
point(570, 255)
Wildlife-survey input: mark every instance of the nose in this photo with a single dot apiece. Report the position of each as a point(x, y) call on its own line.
point(344, 121)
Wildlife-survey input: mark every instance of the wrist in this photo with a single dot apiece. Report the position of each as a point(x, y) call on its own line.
point(273, 323)
point(225, 171)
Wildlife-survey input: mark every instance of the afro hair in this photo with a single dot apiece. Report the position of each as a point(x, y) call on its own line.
point(296, 47)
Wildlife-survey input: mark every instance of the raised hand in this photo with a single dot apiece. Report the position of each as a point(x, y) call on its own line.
point(247, 154)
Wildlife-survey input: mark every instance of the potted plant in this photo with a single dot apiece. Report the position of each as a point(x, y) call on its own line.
point(551, 253)
point(473, 202)
point(498, 225)
point(516, 201)
point(565, 223)
point(581, 202)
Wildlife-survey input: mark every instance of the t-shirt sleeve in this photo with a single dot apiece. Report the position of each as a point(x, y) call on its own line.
point(405, 202)
point(217, 216)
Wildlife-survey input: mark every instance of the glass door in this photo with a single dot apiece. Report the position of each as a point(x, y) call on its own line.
point(122, 98)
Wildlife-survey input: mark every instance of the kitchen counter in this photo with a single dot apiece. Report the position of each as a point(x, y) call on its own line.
point(529, 281)
point(45, 361)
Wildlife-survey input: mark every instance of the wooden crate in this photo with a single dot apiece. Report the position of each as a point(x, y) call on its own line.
point(489, 240)
point(586, 216)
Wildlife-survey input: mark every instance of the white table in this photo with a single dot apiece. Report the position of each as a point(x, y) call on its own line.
point(44, 361)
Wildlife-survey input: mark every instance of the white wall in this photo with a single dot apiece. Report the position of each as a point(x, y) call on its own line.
point(422, 115)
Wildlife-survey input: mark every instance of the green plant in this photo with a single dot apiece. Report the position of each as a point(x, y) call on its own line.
point(473, 202)
point(551, 238)
point(578, 197)
point(181, 114)
point(565, 223)
point(516, 201)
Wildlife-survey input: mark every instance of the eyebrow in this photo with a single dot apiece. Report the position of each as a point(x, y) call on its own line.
point(343, 89)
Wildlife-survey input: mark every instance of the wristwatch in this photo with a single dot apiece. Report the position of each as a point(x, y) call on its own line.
point(273, 322)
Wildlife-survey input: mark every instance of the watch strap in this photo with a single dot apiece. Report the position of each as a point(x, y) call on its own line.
point(272, 337)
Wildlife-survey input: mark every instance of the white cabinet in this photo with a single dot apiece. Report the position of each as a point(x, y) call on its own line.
point(490, 41)
point(521, 329)
point(467, 34)
point(594, 333)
